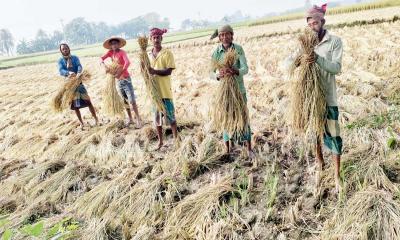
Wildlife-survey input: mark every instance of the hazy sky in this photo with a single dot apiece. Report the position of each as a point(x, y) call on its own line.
point(24, 17)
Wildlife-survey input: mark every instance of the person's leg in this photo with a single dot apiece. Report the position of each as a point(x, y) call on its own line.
point(158, 124)
point(227, 145)
point(249, 149)
point(93, 112)
point(128, 111)
point(174, 129)
point(160, 136)
point(136, 111)
point(336, 158)
point(130, 95)
point(122, 92)
point(319, 156)
point(170, 117)
point(78, 114)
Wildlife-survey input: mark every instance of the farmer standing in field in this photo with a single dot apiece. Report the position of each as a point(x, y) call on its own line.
point(162, 64)
point(328, 56)
point(124, 83)
point(70, 66)
point(239, 69)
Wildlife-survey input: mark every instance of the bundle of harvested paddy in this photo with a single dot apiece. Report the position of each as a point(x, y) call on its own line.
point(113, 104)
point(308, 104)
point(65, 184)
point(209, 156)
point(196, 213)
point(152, 87)
point(230, 112)
point(376, 176)
point(369, 214)
point(67, 92)
point(95, 202)
point(145, 203)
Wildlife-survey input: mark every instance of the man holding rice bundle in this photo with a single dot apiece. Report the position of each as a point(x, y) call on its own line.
point(328, 56)
point(70, 66)
point(162, 64)
point(124, 82)
point(237, 71)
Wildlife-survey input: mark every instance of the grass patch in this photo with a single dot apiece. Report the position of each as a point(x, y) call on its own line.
point(376, 121)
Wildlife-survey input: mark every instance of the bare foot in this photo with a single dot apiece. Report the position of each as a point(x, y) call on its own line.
point(160, 145)
point(128, 123)
point(338, 186)
point(139, 124)
point(96, 123)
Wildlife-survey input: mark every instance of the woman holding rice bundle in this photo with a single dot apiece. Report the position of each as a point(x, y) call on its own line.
point(237, 71)
point(70, 66)
point(162, 64)
point(124, 83)
point(328, 56)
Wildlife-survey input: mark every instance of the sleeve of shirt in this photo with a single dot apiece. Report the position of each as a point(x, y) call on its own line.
point(63, 71)
point(169, 61)
point(105, 56)
point(334, 66)
point(78, 64)
point(126, 61)
point(244, 69)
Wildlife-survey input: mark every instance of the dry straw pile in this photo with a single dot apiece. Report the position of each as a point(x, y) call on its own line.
point(67, 93)
point(151, 85)
point(308, 98)
point(113, 104)
point(230, 112)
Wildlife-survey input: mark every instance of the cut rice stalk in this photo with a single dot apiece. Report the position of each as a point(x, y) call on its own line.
point(95, 202)
point(64, 185)
point(67, 92)
point(369, 214)
point(230, 112)
point(146, 203)
point(308, 104)
point(113, 104)
point(152, 87)
point(209, 156)
point(196, 213)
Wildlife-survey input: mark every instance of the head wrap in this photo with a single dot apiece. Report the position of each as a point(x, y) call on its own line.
point(225, 28)
point(155, 32)
point(67, 57)
point(317, 13)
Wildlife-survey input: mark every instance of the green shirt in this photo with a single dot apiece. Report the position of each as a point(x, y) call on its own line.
point(329, 57)
point(240, 64)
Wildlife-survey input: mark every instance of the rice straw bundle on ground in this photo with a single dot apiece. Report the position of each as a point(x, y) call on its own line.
point(152, 87)
point(113, 104)
point(369, 214)
point(145, 203)
point(208, 157)
point(66, 94)
point(308, 104)
point(230, 112)
point(95, 202)
point(65, 185)
point(196, 213)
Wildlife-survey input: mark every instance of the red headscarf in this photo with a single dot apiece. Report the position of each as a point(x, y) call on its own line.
point(155, 32)
point(317, 13)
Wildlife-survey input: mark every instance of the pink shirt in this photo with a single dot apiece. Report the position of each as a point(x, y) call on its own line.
point(122, 58)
